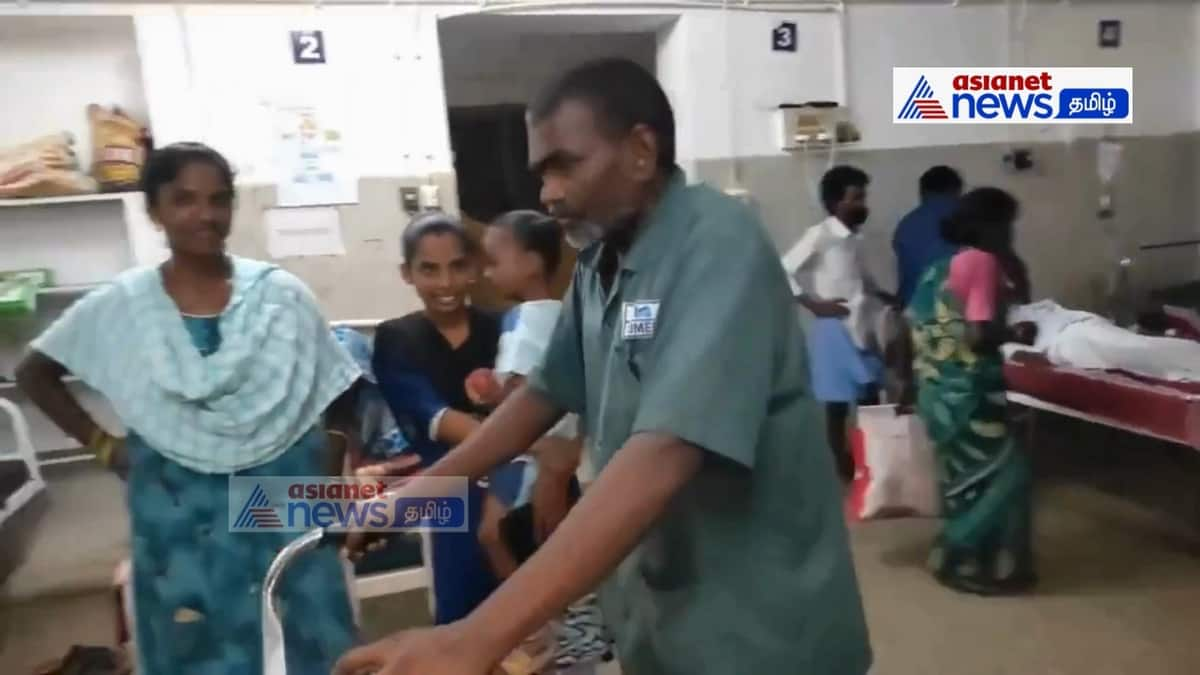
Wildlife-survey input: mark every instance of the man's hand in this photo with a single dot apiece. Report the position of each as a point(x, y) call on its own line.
point(829, 309)
point(550, 502)
point(443, 650)
point(359, 543)
point(1029, 358)
point(890, 299)
point(394, 472)
point(401, 465)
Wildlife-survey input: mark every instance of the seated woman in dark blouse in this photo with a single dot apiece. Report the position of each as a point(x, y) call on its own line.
point(421, 361)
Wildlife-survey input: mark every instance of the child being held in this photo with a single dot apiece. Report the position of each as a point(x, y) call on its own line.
point(524, 249)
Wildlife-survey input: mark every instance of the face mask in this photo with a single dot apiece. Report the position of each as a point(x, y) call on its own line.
point(857, 216)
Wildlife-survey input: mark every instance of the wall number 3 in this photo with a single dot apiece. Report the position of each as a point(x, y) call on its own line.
point(308, 46)
point(783, 37)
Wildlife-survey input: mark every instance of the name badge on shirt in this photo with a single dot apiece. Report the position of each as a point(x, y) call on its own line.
point(638, 319)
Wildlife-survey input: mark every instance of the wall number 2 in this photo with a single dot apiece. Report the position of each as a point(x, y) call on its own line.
point(308, 46)
point(783, 37)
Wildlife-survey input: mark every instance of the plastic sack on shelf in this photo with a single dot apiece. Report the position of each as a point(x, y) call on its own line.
point(44, 167)
point(118, 148)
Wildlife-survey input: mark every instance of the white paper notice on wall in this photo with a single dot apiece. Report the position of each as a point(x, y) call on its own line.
point(304, 232)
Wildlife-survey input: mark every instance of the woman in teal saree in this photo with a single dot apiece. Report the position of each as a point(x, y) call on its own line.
point(958, 318)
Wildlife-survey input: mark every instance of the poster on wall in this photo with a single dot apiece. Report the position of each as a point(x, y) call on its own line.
point(312, 165)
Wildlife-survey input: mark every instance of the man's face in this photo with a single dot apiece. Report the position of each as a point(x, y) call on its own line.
point(852, 209)
point(589, 178)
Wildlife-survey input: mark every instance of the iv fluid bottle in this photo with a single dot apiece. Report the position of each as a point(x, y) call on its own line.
point(1121, 306)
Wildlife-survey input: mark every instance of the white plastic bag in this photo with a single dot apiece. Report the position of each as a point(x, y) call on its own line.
point(896, 475)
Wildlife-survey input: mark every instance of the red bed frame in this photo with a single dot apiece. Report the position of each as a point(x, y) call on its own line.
point(1166, 410)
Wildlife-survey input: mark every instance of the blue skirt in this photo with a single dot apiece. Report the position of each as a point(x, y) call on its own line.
point(196, 585)
point(841, 372)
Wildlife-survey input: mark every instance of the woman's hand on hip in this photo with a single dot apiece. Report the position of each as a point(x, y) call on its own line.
point(119, 459)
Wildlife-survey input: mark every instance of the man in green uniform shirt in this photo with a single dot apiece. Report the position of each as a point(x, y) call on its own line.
point(715, 521)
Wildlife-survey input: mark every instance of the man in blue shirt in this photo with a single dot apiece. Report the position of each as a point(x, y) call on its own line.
point(918, 240)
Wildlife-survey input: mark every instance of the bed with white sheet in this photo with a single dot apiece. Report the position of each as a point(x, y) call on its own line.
point(1165, 409)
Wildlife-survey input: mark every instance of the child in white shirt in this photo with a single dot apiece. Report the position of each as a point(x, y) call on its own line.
point(524, 250)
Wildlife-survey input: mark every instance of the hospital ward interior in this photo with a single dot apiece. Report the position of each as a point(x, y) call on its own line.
point(940, 246)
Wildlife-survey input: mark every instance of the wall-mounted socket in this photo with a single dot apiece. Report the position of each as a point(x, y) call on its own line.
point(429, 198)
point(410, 200)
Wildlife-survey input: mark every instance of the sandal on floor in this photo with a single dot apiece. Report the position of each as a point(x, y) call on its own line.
point(1016, 585)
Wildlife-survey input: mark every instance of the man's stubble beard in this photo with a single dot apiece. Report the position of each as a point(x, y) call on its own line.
point(583, 235)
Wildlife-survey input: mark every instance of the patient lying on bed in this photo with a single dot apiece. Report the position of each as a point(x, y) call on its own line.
point(1079, 339)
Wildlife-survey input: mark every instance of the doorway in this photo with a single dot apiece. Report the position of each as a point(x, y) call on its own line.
point(492, 66)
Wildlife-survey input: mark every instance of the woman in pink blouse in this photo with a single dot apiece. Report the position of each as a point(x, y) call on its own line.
point(958, 316)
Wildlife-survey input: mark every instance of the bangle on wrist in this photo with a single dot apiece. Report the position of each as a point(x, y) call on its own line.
point(102, 445)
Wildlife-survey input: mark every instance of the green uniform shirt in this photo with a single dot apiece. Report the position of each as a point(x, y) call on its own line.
point(749, 572)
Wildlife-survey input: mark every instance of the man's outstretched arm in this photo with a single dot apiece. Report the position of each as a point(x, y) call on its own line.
point(627, 498)
point(509, 431)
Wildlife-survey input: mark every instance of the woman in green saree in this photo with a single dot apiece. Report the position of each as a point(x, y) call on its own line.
point(958, 318)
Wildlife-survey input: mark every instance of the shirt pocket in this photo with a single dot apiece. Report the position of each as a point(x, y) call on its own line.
point(623, 393)
point(633, 354)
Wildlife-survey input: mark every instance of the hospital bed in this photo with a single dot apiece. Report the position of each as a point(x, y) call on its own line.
point(1168, 411)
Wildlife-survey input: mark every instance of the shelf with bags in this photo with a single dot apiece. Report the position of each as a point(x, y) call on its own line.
point(67, 199)
point(68, 290)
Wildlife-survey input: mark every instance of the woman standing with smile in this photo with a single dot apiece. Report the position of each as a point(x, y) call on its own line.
point(218, 366)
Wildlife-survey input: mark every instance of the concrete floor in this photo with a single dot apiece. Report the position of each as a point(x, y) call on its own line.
point(1118, 595)
point(1120, 577)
